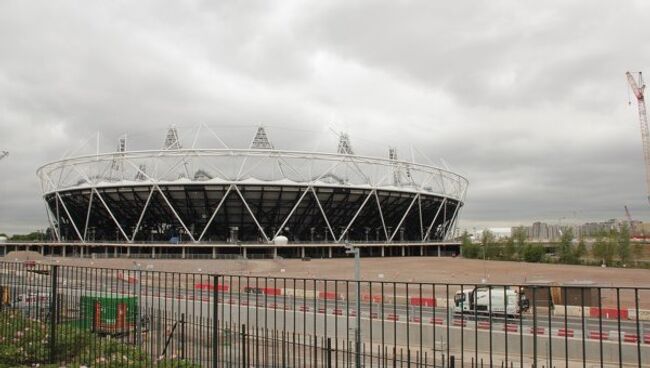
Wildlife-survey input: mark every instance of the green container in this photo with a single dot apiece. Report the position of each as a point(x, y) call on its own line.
point(109, 307)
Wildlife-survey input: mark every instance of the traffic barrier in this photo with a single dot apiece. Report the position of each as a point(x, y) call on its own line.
point(373, 315)
point(510, 327)
point(209, 286)
point(460, 322)
point(436, 321)
point(272, 291)
point(643, 315)
point(415, 319)
point(628, 337)
point(327, 295)
point(537, 331)
point(646, 339)
point(484, 325)
point(375, 298)
point(423, 302)
point(608, 313)
point(337, 312)
point(597, 335)
point(303, 308)
point(392, 317)
point(571, 310)
point(565, 332)
point(299, 293)
point(128, 279)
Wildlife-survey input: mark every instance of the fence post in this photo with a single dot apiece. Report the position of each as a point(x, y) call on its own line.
point(183, 346)
point(329, 352)
point(244, 352)
point(215, 322)
point(53, 312)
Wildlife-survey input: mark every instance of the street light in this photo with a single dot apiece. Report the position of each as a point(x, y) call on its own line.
point(138, 320)
point(350, 249)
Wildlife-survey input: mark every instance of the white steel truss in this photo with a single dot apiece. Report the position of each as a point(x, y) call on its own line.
point(327, 170)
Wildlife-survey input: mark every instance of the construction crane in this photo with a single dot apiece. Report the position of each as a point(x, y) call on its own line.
point(638, 88)
point(3, 154)
point(628, 216)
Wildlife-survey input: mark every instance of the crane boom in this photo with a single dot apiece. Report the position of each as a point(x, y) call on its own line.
point(3, 154)
point(638, 90)
point(627, 215)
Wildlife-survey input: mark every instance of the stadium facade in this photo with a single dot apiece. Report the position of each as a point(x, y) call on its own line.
point(253, 197)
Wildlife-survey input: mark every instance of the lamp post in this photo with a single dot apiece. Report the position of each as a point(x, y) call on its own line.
point(138, 319)
point(349, 249)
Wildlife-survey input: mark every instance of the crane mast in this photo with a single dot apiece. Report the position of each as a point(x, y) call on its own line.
point(638, 90)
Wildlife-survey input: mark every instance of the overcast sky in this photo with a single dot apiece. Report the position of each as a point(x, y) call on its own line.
point(527, 99)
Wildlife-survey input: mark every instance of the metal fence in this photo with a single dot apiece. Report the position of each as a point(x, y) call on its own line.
point(141, 317)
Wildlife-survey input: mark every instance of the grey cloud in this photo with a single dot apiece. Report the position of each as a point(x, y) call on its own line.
point(527, 99)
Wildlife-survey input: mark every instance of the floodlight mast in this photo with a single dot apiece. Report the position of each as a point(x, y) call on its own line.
point(350, 249)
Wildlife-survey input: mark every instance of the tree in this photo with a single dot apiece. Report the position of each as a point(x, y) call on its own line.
point(581, 250)
point(509, 250)
point(566, 252)
point(605, 247)
point(487, 240)
point(534, 253)
point(623, 250)
point(468, 248)
point(520, 236)
point(33, 236)
point(637, 251)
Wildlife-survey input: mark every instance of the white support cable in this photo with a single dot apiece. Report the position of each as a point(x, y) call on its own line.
point(304, 193)
point(49, 219)
point(420, 213)
point(451, 223)
point(454, 223)
point(261, 229)
point(381, 215)
point(58, 212)
point(214, 213)
point(323, 213)
point(216, 169)
point(65, 208)
point(174, 212)
point(90, 205)
point(355, 216)
point(215, 135)
point(404, 217)
point(442, 203)
point(144, 209)
point(196, 136)
point(111, 214)
point(241, 167)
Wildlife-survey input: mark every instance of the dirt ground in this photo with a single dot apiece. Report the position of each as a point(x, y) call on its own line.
point(396, 269)
point(411, 269)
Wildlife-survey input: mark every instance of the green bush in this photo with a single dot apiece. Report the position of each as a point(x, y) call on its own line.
point(471, 250)
point(25, 342)
point(534, 253)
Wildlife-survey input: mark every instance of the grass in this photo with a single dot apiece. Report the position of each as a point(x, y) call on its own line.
point(24, 342)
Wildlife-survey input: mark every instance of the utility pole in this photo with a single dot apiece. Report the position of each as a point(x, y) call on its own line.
point(350, 249)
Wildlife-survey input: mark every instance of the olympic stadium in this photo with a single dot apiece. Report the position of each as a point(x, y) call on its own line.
point(253, 200)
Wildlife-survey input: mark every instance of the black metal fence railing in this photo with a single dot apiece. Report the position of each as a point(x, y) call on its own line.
point(144, 318)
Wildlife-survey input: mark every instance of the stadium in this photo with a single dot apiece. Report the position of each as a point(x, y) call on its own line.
point(255, 200)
